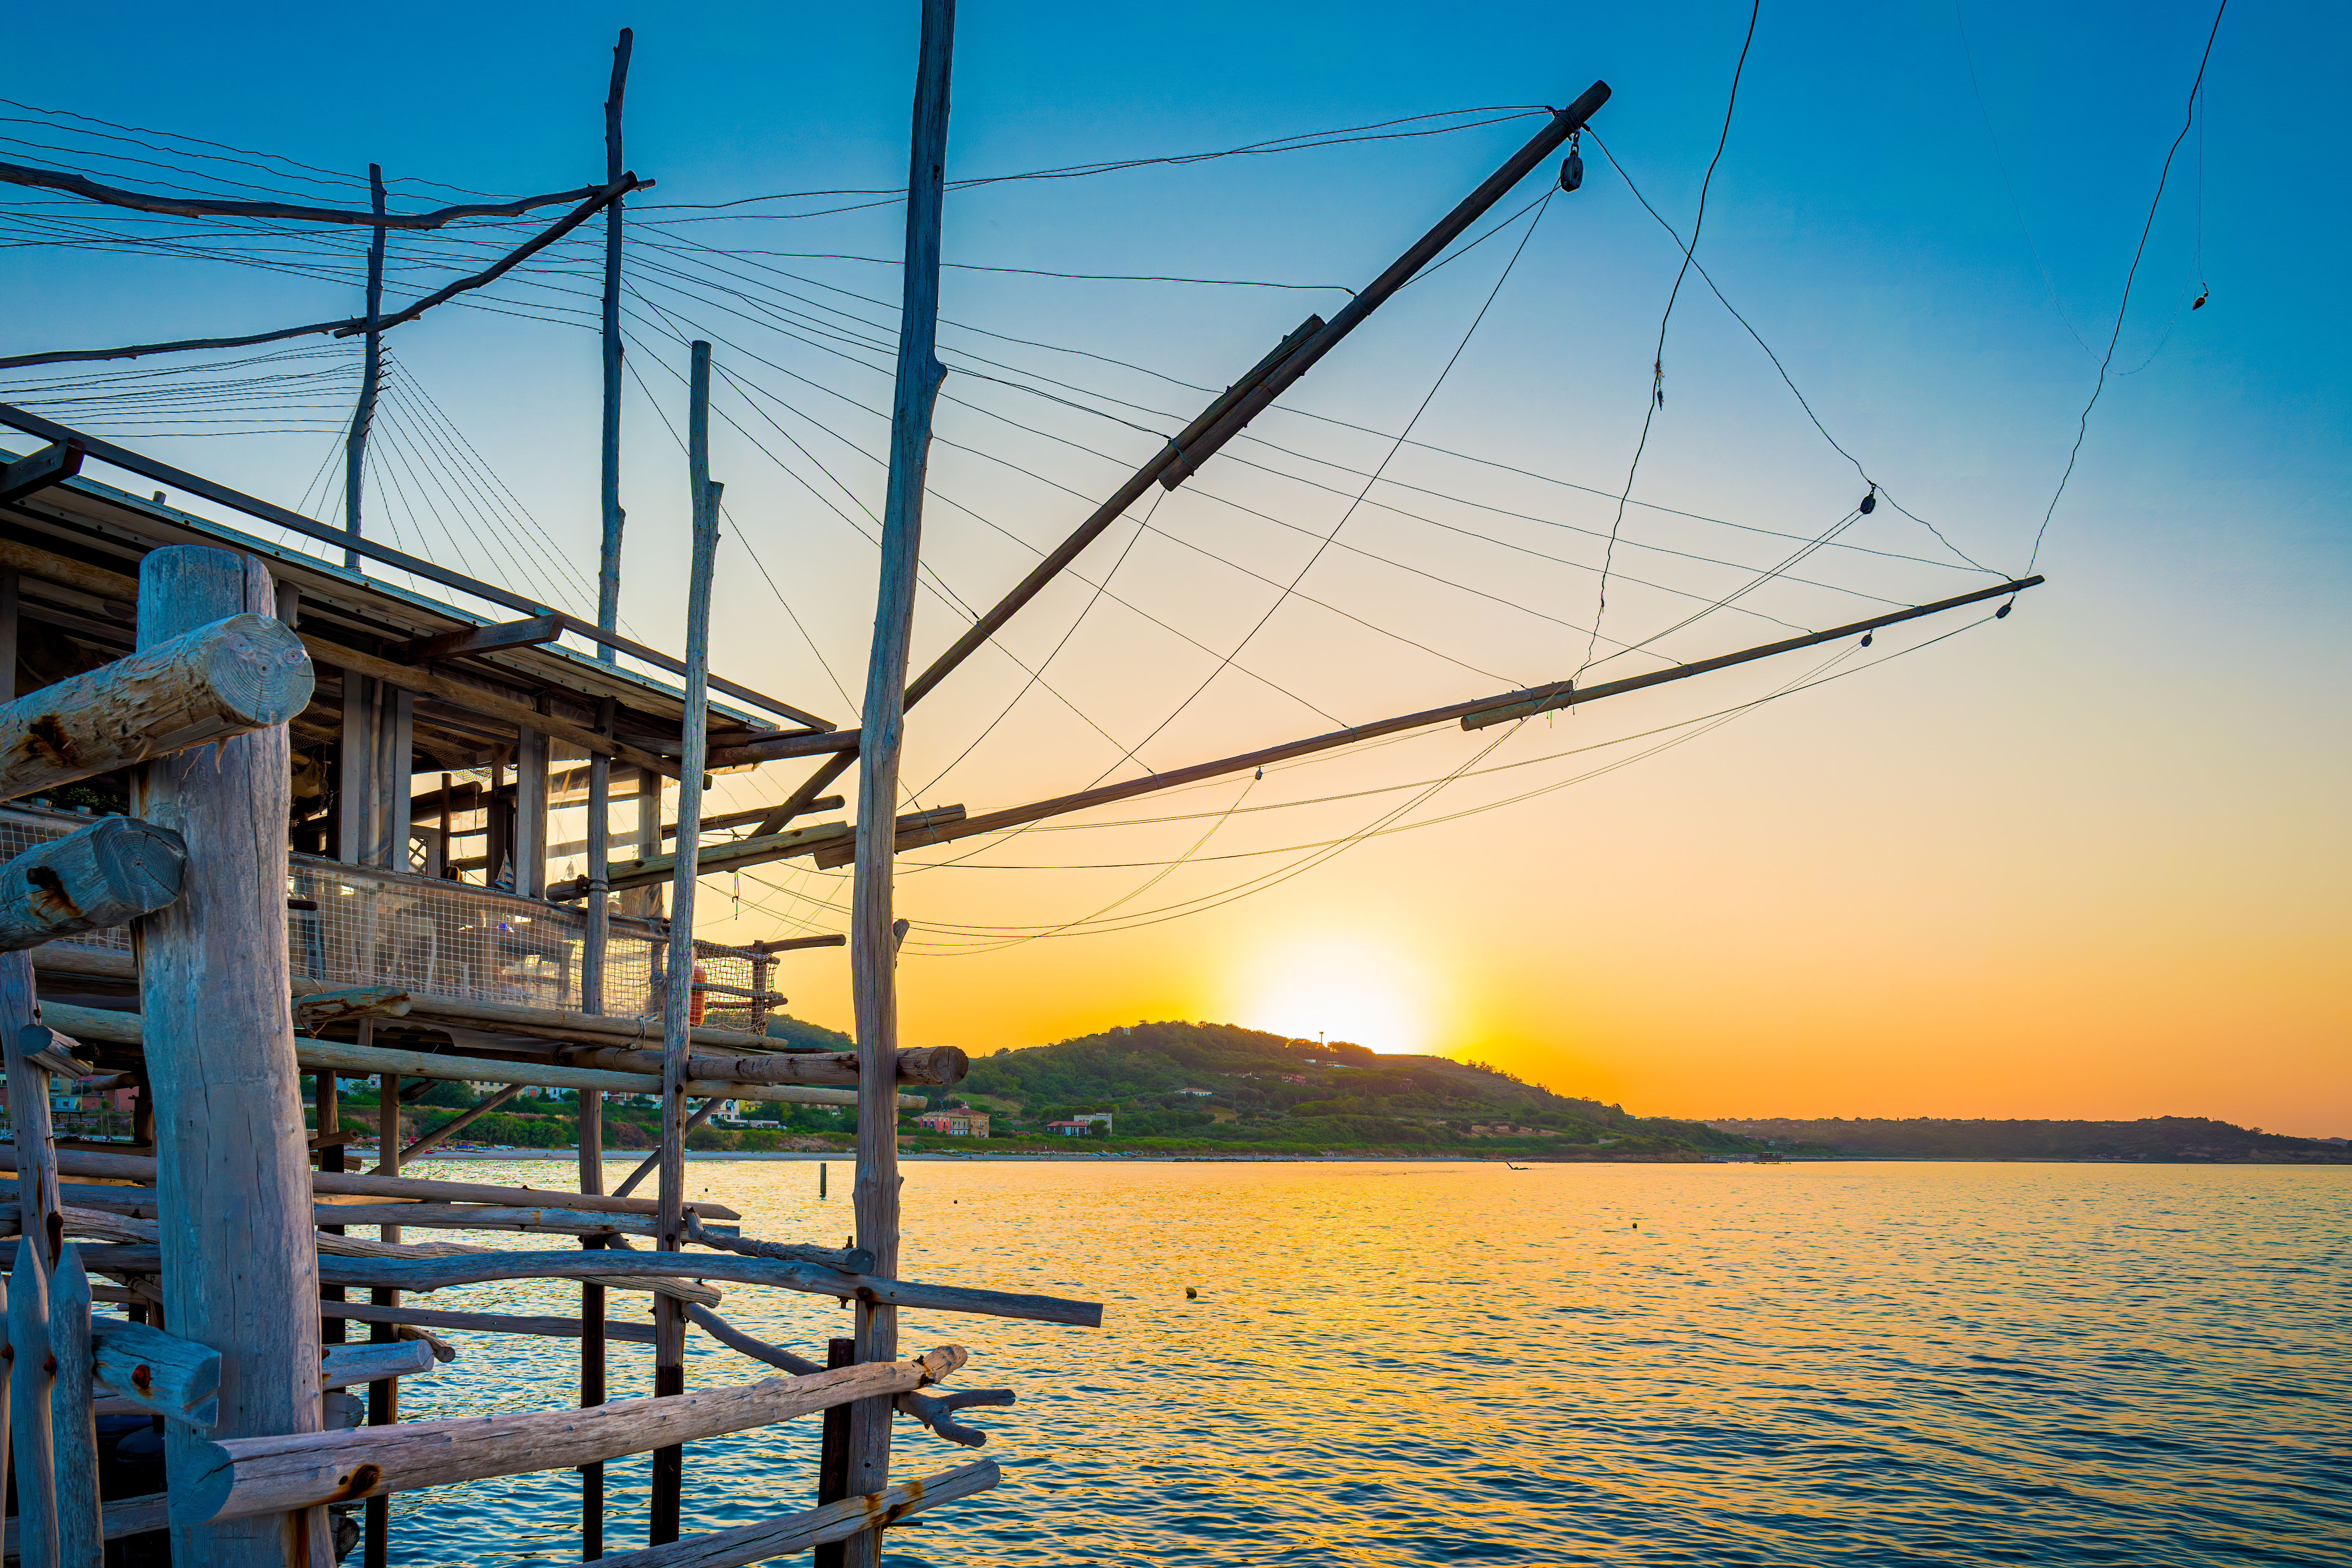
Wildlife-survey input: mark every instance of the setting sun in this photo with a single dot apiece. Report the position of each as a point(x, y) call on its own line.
point(1337, 987)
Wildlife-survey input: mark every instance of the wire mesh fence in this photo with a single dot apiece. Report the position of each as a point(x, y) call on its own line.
point(357, 925)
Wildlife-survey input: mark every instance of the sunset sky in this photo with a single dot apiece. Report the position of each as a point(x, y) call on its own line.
point(2086, 861)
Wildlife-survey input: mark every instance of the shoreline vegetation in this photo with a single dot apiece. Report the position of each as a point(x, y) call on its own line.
point(1190, 1092)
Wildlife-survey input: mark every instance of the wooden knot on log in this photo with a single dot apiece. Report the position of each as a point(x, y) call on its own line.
point(363, 1480)
point(143, 1377)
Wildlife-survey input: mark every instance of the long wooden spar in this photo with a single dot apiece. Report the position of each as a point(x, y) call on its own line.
point(1224, 419)
point(1475, 714)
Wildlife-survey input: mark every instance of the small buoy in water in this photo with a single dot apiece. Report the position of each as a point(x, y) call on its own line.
point(1637, 1225)
point(1190, 1294)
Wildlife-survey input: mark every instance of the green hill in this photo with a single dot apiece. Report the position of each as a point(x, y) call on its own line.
point(1182, 1085)
point(2166, 1137)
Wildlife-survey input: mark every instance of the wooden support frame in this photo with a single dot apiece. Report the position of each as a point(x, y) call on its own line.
point(213, 979)
point(530, 632)
point(98, 876)
point(52, 465)
point(260, 1476)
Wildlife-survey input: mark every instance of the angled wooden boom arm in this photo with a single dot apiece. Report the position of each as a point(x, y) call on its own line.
point(1475, 714)
point(1224, 418)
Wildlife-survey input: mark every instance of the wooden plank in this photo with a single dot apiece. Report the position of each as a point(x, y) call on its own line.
point(142, 1168)
point(33, 1153)
point(794, 1533)
point(357, 1061)
point(252, 1475)
point(227, 677)
point(165, 1374)
point(530, 632)
point(474, 699)
point(233, 1193)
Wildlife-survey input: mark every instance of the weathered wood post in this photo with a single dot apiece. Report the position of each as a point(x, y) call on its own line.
point(677, 995)
point(608, 559)
point(371, 374)
point(240, 1263)
point(73, 1417)
point(383, 1395)
point(874, 950)
point(592, 1100)
point(28, 1388)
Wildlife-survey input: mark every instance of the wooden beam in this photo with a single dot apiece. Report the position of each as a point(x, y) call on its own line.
point(454, 1126)
point(934, 1065)
point(98, 876)
point(228, 678)
point(757, 814)
point(485, 1322)
point(343, 1366)
point(52, 465)
point(716, 857)
point(350, 1183)
point(29, 1372)
point(526, 633)
point(520, 715)
point(1512, 704)
point(175, 1378)
point(795, 1532)
point(793, 943)
point(184, 207)
point(256, 1476)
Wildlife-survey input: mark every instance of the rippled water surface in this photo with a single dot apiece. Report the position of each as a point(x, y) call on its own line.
point(1407, 1364)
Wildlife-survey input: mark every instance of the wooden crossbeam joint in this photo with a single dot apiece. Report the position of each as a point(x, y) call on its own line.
point(529, 632)
point(52, 465)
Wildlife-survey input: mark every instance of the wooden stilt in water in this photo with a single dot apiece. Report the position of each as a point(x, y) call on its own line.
point(592, 1100)
point(833, 1453)
point(873, 955)
point(669, 1323)
point(384, 1396)
point(239, 1252)
point(329, 1098)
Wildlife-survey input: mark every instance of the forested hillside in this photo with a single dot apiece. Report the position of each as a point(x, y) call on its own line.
point(2169, 1138)
point(1198, 1084)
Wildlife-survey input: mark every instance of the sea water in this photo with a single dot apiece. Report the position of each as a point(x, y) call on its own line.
point(1403, 1364)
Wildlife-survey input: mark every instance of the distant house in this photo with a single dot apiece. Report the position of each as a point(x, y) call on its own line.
point(1079, 1126)
point(957, 1123)
point(1291, 1076)
point(1202, 1094)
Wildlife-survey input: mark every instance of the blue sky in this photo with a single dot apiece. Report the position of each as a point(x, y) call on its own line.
point(2134, 774)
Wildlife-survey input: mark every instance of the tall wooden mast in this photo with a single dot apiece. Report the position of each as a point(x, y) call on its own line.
point(874, 949)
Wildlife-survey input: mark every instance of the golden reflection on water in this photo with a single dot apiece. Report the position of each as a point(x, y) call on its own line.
point(1422, 1363)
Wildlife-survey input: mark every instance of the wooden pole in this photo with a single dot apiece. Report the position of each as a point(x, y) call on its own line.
point(329, 1098)
point(371, 374)
point(28, 1398)
point(833, 1451)
point(678, 997)
point(599, 932)
point(873, 951)
point(238, 1253)
point(73, 1417)
point(608, 561)
point(383, 1397)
